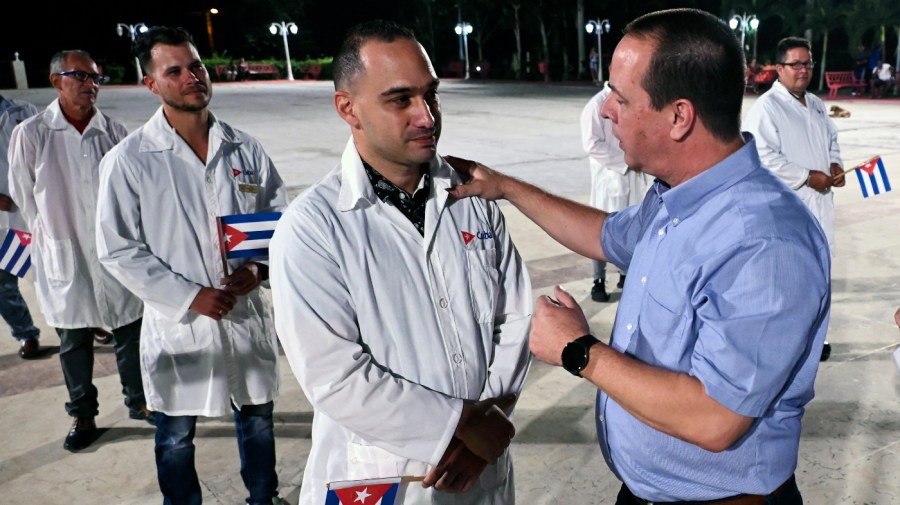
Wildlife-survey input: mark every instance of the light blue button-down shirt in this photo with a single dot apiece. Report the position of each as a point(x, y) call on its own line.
point(729, 282)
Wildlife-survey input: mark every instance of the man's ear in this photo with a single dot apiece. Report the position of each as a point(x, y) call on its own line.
point(150, 83)
point(343, 103)
point(683, 119)
point(55, 81)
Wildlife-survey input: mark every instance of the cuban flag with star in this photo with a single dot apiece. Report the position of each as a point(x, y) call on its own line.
point(15, 252)
point(363, 492)
point(247, 235)
point(875, 180)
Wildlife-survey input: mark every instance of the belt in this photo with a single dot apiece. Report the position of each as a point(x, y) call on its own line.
point(741, 499)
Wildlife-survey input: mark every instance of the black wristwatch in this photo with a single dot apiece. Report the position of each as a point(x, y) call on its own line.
point(576, 353)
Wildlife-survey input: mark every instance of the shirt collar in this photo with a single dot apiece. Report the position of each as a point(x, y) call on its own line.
point(159, 135)
point(686, 198)
point(357, 192)
point(56, 120)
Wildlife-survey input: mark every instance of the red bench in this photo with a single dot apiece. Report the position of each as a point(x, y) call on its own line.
point(838, 80)
point(263, 69)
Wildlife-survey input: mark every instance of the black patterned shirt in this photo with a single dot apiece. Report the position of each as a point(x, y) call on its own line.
point(411, 206)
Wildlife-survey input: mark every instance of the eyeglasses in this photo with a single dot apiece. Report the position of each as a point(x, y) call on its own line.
point(797, 65)
point(84, 76)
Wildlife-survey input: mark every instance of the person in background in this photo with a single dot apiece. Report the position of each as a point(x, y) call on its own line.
point(13, 308)
point(613, 185)
point(209, 346)
point(796, 138)
point(54, 179)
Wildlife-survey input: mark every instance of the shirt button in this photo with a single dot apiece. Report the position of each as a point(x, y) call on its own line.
point(661, 232)
point(600, 418)
point(209, 179)
point(644, 280)
point(629, 326)
point(457, 358)
point(676, 220)
point(444, 303)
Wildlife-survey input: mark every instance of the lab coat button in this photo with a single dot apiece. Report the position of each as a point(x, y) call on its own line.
point(444, 303)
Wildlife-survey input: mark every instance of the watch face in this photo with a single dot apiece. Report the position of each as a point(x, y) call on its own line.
point(574, 357)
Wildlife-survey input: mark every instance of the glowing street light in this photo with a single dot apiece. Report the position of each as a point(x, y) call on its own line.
point(598, 27)
point(745, 23)
point(283, 29)
point(132, 31)
point(463, 29)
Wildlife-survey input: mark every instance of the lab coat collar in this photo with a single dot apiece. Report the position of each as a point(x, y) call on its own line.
point(357, 191)
point(159, 135)
point(55, 119)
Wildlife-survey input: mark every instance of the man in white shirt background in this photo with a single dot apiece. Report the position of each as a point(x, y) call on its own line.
point(208, 345)
point(613, 185)
point(54, 177)
point(403, 312)
point(13, 308)
point(796, 139)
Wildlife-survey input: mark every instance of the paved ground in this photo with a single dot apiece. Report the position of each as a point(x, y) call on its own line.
point(851, 437)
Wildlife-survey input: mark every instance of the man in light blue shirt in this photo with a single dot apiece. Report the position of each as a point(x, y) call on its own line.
point(703, 386)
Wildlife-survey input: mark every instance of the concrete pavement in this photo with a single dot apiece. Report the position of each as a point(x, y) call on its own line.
point(850, 452)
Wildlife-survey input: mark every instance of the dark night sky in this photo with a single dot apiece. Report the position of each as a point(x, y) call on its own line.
point(37, 30)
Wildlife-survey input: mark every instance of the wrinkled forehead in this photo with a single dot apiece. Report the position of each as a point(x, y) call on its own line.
point(75, 61)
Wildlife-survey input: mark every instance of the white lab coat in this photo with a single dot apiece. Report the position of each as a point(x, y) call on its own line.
point(387, 331)
point(792, 140)
point(613, 185)
point(54, 179)
point(12, 112)
point(157, 233)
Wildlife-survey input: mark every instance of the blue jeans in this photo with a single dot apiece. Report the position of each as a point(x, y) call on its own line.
point(175, 467)
point(14, 310)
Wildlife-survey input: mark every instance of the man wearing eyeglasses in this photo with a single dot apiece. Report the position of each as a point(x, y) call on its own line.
point(796, 139)
point(54, 162)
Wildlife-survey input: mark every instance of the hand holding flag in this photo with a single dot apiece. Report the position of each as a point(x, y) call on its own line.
point(875, 180)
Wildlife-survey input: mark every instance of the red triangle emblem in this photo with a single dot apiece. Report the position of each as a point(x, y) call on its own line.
point(233, 237)
point(467, 237)
point(869, 166)
point(365, 494)
point(236, 172)
point(24, 237)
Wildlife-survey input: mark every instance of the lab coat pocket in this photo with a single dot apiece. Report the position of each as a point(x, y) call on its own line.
point(370, 462)
point(191, 334)
point(484, 279)
point(59, 261)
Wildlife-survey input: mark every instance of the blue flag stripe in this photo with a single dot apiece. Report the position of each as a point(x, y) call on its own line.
point(22, 271)
point(247, 253)
point(251, 218)
point(259, 235)
point(16, 255)
point(862, 183)
point(331, 498)
point(390, 496)
point(874, 182)
point(884, 177)
point(6, 242)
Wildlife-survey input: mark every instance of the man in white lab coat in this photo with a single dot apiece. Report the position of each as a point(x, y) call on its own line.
point(13, 308)
point(403, 313)
point(796, 139)
point(613, 185)
point(54, 178)
point(208, 346)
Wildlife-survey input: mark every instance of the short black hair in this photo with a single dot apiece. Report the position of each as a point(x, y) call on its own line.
point(788, 43)
point(347, 64)
point(144, 42)
point(697, 58)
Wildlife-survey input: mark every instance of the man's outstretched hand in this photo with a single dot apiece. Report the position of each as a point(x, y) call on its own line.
point(479, 180)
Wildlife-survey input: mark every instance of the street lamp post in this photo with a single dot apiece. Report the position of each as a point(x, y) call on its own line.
point(283, 29)
point(132, 31)
point(209, 29)
point(745, 22)
point(464, 29)
point(599, 27)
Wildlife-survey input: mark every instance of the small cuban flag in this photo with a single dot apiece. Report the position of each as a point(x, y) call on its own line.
point(247, 235)
point(363, 492)
point(875, 180)
point(15, 253)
